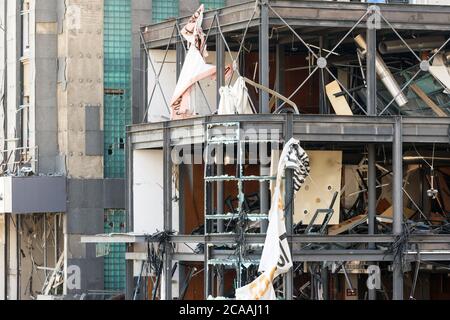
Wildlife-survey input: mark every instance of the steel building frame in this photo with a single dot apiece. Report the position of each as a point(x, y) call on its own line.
point(371, 129)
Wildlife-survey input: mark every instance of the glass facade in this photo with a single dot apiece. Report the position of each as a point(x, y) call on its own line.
point(117, 114)
point(163, 9)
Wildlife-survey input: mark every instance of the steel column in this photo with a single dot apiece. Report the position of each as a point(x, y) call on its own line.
point(397, 199)
point(129, 214)
point(167, 213)
point(371, 77)
point(144, 85)
point(371, 183)
point(220, 63)
point(322, 94)
point(289, 209)
point(371, 191)
point(264, 57)
point(209, 197)
point(264, 98)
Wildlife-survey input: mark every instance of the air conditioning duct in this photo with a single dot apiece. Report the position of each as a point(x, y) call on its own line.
point(397, 46)
point(384, 74)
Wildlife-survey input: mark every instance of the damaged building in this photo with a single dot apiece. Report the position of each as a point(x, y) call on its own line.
point(158, 150)
point(363, 88)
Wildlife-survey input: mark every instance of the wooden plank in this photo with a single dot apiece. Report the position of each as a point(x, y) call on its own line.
point(430, 103)
point(387, 215)
point(339, 104)
point(347, 225)
point(53, 277)
point(319, 187)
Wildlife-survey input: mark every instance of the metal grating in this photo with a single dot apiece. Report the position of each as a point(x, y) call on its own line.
point(164, 9)
point(117, 98)
point(114, 262)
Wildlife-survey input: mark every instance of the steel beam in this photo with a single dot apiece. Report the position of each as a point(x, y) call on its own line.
point(340, 14)
point(309, 128)
point(259, 238)
point(311, 13)
point(320, 256)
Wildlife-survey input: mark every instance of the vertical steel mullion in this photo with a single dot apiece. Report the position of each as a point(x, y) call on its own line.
point(167, 212)
point(264, 57)
point(129, 215)
point(144, 86)
point(397, 204)
point(220, 62)
point(289, 210)
point(264, 99)
point(371, 77)
point(322, 95)
point(208, 211)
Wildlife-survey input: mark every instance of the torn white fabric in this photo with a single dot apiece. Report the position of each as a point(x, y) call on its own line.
point(235, 99)
point(260, 289)
point(194, 69)
point(276, 256)
point(193, 32)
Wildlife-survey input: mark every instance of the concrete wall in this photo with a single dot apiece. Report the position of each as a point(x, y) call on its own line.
point(79, 90)
point(44, 58)
point(81, 85)
point(13, 31)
